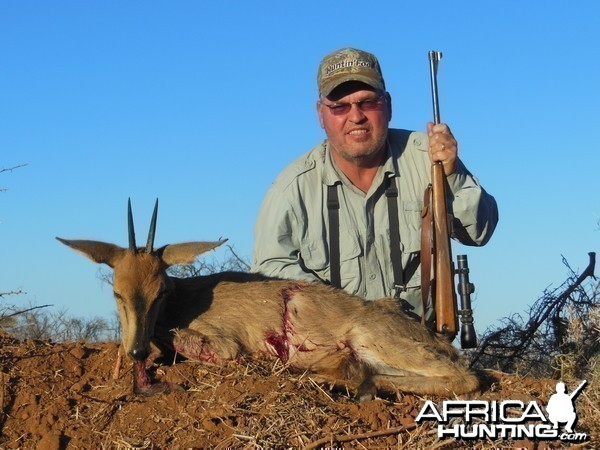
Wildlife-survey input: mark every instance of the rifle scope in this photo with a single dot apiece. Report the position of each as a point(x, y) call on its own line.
point(468, 337)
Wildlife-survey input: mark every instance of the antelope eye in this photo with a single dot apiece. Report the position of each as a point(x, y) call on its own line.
point(118, 296)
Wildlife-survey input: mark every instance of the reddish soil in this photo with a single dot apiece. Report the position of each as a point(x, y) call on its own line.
point(63, 396)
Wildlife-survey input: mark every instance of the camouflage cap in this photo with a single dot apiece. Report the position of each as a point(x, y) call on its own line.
point(348, 64)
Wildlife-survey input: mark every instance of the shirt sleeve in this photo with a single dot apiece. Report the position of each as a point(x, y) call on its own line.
point(276, 239)
point(475, 211)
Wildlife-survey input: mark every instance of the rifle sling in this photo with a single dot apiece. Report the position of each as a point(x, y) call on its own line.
point(426, 249)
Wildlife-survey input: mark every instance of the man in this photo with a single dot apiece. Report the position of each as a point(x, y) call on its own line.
point(560, 408)
point(356, 165)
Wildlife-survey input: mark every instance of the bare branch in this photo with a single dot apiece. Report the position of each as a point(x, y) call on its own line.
point(240, 260)
point(19, 292)
point(26, 310)
point(10, 169)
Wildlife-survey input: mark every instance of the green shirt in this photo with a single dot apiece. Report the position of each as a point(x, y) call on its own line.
point(292, 230)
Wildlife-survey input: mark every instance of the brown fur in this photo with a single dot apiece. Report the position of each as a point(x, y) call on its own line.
point(339, 337)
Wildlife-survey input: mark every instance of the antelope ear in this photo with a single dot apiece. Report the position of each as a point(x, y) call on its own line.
point(186, 252)
point(100, 252)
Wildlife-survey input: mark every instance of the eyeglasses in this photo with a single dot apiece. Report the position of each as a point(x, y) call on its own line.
point(369, 104)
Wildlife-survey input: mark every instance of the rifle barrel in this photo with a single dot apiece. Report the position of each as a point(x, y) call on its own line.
point(434, 58)
point(573, 394)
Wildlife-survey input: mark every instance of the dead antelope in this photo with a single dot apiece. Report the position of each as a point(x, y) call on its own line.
point(338, 337)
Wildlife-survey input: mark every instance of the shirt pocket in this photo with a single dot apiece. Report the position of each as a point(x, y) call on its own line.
point(410, 225)
point(350, 253)
point(315, 254)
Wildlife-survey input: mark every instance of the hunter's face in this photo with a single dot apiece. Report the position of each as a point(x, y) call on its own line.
point(355, 118)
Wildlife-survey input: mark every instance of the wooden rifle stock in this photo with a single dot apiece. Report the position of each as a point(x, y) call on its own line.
point(443, 292)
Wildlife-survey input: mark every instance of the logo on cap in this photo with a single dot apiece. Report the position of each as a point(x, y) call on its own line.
point(349, 63)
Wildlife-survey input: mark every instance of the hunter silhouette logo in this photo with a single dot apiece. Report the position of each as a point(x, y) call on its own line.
point(507, 419)
point(560, 407)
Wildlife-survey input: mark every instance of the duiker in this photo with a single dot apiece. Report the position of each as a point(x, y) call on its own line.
point(338, 337)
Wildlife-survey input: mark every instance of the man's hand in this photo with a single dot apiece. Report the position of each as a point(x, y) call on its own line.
point(442, 146)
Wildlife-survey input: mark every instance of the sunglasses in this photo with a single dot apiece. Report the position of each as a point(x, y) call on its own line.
point(367, 105)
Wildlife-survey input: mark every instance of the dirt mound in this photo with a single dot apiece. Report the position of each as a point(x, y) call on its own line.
point(63, 395)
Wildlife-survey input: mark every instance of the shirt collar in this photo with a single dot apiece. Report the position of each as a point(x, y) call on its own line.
point(332, 175)
point(390, 165)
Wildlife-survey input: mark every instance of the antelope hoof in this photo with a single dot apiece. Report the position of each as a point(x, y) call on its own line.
point(366, 391)
point(142, 385)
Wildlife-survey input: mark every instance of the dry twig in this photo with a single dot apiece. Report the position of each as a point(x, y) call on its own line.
point(355, 437)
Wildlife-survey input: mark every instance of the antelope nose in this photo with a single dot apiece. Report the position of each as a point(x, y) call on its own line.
point(139, 354)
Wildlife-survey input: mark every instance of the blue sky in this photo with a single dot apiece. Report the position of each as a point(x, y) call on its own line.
point(203, 104)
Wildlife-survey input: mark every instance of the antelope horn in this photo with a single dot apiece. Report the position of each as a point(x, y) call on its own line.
point(132, 245)
point(152, 230)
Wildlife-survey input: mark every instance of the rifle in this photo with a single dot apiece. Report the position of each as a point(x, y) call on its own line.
point(437, 243)
point(575, 393)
